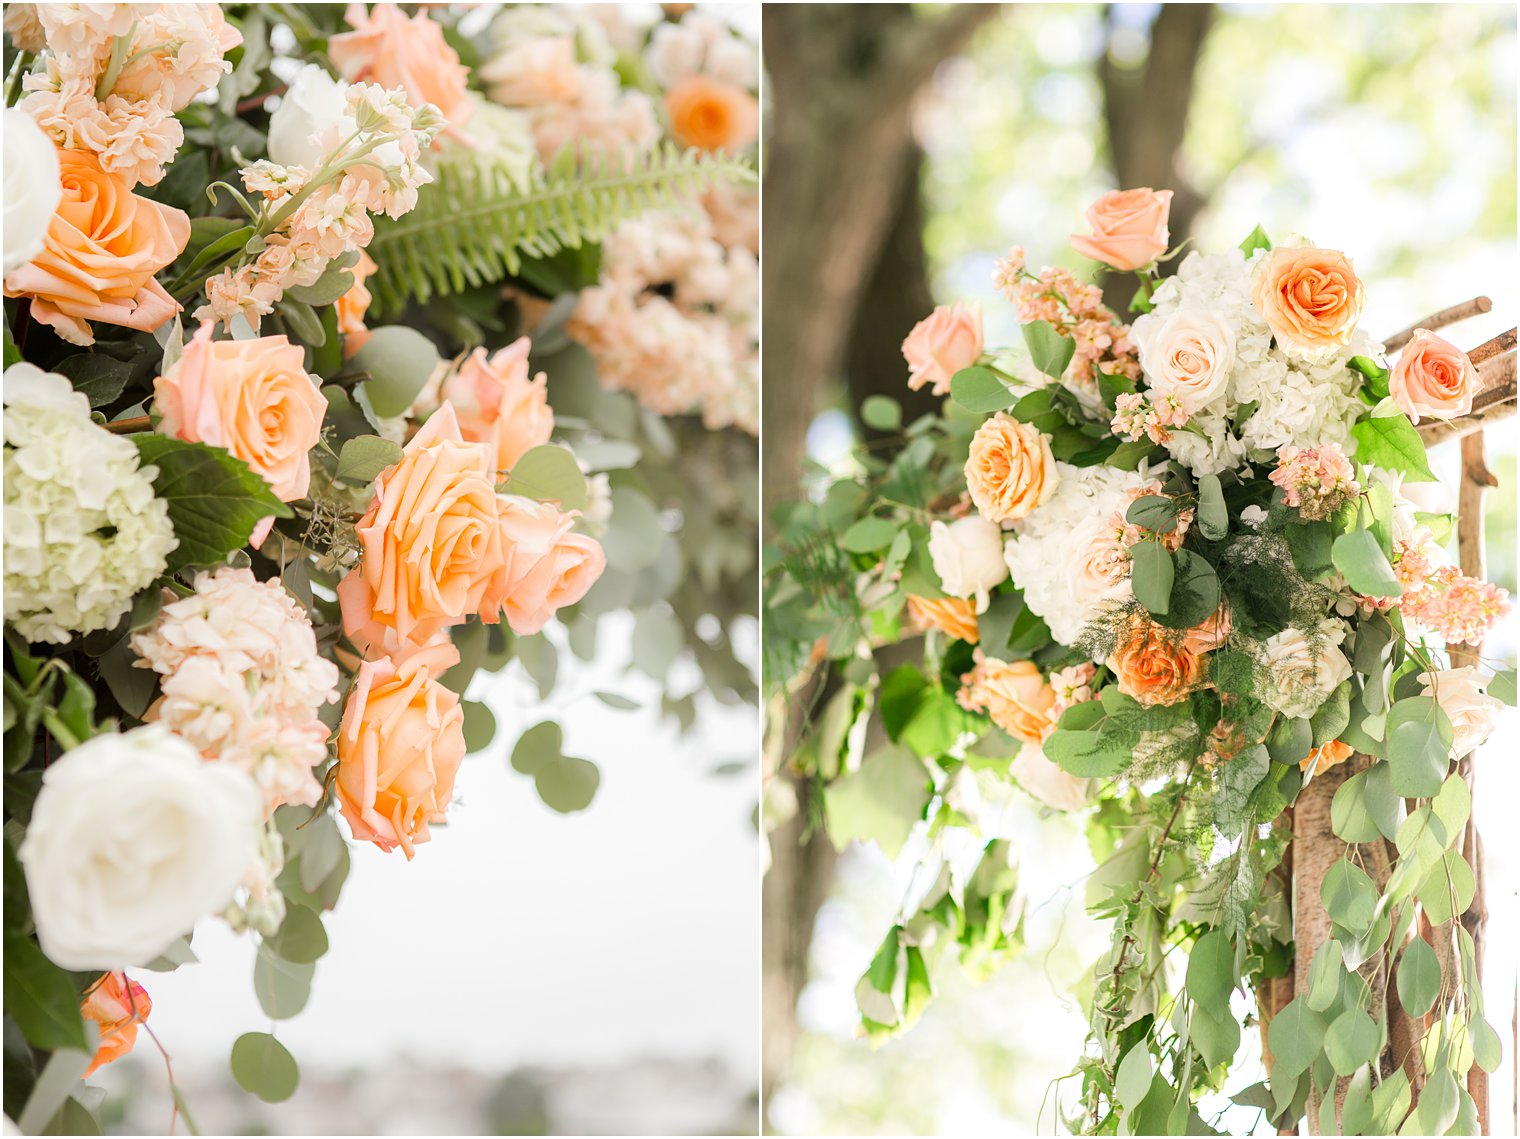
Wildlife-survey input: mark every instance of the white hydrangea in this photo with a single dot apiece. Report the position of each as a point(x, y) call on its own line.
point(1297, 403)
point(1052, 552)
point(83, 531)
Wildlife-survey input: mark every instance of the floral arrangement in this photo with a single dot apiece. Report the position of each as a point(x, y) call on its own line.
point(1169, 574)
point(324, 327)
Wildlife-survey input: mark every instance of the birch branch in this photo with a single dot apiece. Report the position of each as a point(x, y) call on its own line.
point(1475, 307)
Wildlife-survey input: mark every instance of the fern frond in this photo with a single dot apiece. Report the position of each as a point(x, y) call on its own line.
point(474, 224)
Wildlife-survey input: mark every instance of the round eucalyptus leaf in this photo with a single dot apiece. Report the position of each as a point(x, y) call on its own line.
point(264, 1067)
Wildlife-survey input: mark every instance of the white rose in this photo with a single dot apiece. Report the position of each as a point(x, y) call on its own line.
point(1188, 355)
point(32, 187)
point(968, 557)
point(1048, 782)
point(311, 120)
point(133, 838)
point(1472, 711)
point(1303, 676)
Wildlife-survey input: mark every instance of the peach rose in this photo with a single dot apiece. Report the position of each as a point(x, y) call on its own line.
point(1433, 378)
point(944, 342)
point(1153, 668)
point(532, 71)
point(711, 115)
point(1324, 757)
point(1211, 632)
point(387, 48)
point(1010, 470)
point(252, 397)
point(117, 1005)
point(544, 565)
point(1014, 695)
point(498, 404)
point(1188, 355)
point(1128, 228)
point(1310, 298)
point(431, 542)
point(955, 616)
point(101, 250)
point(399, 747)
point(352, 307)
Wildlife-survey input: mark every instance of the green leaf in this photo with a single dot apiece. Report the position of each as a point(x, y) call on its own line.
point(1449, 889)
point(1256, 239)
point(300, 938)
point(1419, 979)
point(1419, 737)
point(884, 413)
point(979, 389)
point(327, 288)
point(1437, 1107)
point(1216, 1037)
point(1502, 686)
point(1392, 443)
point(365, 456)
point(1132, 1082)
point(617, 701)
point(282, 987)
point(1048, 349)
point(264, 1067)
point(1154, 512)
point(1211, 969)
point(1152, 575)
point(869, 534)
point(1213, 518)
point(479, 725)
point(881, 802)
point(1195, 592)
point(1349, 896)
point(1351, 1041)
point(40, 997)
point(304, 322)
point(1350, 817)
point(1487, 1050)
point(1310, 545)
point(399, 361)
point(564, 783)
point(549, 473)
point(1362, 562)
point(215, 500)
point(1295, 1037)
point(100, 377)
point(1327, 974)
point(1390, 1101)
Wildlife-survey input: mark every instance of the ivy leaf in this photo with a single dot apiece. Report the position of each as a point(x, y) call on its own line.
point(215, 499)
point(1392, 443)
point(881, 802)
point(1048, 349)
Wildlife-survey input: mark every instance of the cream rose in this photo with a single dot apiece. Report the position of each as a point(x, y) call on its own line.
point(1303, 673)
point(1044, 780)
point(1433, 378)
point(32, 188)
point(1188, 355)
point(968, 557)
point(1010, 469)
point(1463, 696)
point(133, 839)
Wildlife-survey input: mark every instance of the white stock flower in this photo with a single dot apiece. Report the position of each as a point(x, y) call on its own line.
point(32, 188)
point(1463, 696)
point(134, 838)
point(1302, 674)
point(83, 531)
point(968, 557)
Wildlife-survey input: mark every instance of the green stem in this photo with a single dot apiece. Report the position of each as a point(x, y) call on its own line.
point(118, 61)
point(19, 69)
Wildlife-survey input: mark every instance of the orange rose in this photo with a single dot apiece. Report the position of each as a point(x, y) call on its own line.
point(431, 542)
point(498, 404)
point(711, 115)
point(101, 250)
point(352, 307)
point(387, 48)
point(1324, 757)
point(953, 615)
point(251, 397)
point(117, 1005)
point(1154, 669)
point(399, 748)
point(1010, 470)
point(1433, 378)
point(1128, 228)
point(544, 565)
point(1015, 696)
point(1310, 298)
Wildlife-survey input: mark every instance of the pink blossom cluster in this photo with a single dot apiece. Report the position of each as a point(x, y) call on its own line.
point(1136, 415)
point(1457, 608)
point(316, 217)
point(1076, 309)
point(242, 679)
point(675, 319)
point(1315, 480)
point(1072, 685)
point(115, 76)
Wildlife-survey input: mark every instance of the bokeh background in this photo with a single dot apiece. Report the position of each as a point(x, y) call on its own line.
point(908, 148)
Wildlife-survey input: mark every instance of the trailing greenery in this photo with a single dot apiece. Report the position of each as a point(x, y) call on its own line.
point(475, 225)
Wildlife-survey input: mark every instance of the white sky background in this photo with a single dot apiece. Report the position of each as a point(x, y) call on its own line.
point(521, 936)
